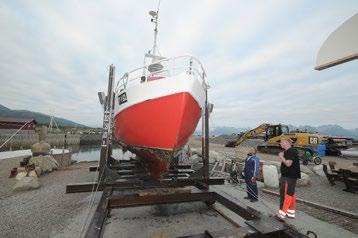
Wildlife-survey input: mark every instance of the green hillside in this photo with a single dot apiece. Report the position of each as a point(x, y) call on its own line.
point(39, 117)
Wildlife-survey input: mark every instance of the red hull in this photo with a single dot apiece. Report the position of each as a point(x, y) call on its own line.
point(154, 128)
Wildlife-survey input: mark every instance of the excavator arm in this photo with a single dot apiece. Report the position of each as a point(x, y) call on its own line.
point(248, 134)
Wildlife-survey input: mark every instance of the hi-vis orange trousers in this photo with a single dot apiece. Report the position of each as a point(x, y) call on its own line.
point(287, 197)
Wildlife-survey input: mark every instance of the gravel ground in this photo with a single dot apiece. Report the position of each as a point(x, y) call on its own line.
point(45, 211)
point(6, 184)
point(241, 151)
point(48, 211)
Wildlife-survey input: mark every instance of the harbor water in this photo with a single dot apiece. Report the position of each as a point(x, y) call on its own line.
point(92, 153)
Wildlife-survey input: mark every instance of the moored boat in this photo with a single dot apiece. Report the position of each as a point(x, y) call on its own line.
point(158, 106)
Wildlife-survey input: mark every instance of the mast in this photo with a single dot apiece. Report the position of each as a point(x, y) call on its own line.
point(155, 20)
point(154, 54)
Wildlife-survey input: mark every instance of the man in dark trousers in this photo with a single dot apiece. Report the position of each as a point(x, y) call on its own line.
point(290, 172)
point(251, 172)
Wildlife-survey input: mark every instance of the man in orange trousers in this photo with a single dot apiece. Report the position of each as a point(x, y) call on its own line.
point(290, 172)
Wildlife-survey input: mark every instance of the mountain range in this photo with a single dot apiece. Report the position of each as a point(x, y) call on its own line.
point(331, 130)
point(41, 118)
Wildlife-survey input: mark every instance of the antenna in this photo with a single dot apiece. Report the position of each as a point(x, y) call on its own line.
point(155, 16)
point(154, 53)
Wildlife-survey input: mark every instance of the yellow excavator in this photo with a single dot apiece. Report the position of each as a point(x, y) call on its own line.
point(304, 142)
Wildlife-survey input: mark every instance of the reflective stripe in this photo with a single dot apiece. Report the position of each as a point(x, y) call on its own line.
point(254, 168)
point(279, 215)
point(282, 213)
point(290, 215)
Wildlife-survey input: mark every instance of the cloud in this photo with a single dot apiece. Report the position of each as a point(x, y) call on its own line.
point(259, 56)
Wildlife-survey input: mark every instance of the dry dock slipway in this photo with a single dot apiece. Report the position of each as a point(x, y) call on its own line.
point(201, 206)
point(183, 202)
point(126, 184)
point(124, 201)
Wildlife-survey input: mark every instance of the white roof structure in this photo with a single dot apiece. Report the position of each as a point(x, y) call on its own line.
point(341, 45)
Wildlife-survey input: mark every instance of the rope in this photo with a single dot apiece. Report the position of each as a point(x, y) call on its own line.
point(14, 134)
point(89, 207)
point(92, 198)
point(252, 193)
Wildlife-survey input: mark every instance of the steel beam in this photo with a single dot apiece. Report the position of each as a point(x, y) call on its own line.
point(241, 232)
point(180, 166)
point(126, 165)
point(266, 225)
point(106, 144)
point(95, 228)
point(88, 187)
point(135, 200)
point(239, 210)
point(93, 168)
point(82, 187)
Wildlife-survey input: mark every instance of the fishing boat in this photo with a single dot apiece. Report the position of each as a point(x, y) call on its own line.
point(158, 106)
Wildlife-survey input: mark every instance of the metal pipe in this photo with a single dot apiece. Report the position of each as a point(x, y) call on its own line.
point(206, 140)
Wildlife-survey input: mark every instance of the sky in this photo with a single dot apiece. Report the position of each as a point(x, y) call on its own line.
point(259, 56)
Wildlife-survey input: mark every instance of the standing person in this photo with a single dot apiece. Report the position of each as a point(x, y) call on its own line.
point(251, 171)
point(290, 172)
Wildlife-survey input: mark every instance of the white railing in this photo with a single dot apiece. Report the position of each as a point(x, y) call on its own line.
point(171, 67)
